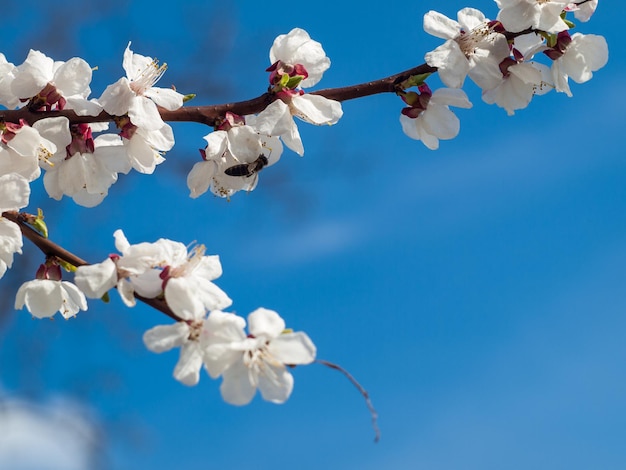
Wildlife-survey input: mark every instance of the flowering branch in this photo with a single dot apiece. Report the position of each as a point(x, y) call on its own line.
point(211, 115)
point(51, 249)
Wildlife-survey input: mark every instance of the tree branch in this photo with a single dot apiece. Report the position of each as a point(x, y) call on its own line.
point(50, 248)
point(210, 115)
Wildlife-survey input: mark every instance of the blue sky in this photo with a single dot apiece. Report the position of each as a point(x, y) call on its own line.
point(477, 292)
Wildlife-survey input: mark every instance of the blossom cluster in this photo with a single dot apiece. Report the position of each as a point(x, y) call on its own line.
point(76, 163)
point(243, 145)
point(498, 57)
point(207, 336)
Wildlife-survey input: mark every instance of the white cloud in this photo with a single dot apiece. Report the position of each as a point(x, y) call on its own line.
point(54, 436)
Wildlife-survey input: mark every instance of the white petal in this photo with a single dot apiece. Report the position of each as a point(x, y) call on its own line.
point(73, 300)
point(316, 109)
point(265, 322)
point(42, 298)
point(222, 333)
point(142, 157)
point(116, 98)
point(211, 296)
point(219, 357)
point(127, 292)
point(144, 113)
point(276, 385)
point(165, 97)
point(73, 77)
point(470, 18)
point(83, 107)
point(237, 388)
point(187, 370)
point(10, 241)
point(452, 64)
point(96, 279)
point(148, 283)
point(293, 348)
point(121, 242)
point(14, 192)
point(199, 178)
point(33, 75)
point(135, 65)
point(183, 300)
point(56, 130)
point(161, 139)
point(440, 25)
point(451, 97)
point(165, 337)
point(439, 121)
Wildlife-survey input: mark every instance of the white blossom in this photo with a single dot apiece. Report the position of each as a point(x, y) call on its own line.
point(584, 55)
point(163, 267)
point(145, 147)
point(45, 297)
point(584, 11)
point(258, 360)
point(57, 83)
point(136, 94)
point(297, 47)
point(522, 81)
point(544, 15)
point(188, 290)
point(471, 47)
point(436, 121)
point(241, 147)
point(297, 62)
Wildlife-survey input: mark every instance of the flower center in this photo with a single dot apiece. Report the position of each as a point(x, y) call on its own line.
point(195, 330)
point(469, 42)
point(148, 77)
point(261, 362)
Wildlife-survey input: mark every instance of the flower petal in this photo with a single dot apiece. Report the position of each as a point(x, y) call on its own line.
point(165, 337)
point(187, 370)
point(144, 113)
point(293, 348)
point(276, 384)
point(237, 388)
point(265, 322)
point(441, 26)
point(96, 279)
point(14, 192)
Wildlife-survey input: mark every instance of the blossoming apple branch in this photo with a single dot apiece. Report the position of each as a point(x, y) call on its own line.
point(51, 124)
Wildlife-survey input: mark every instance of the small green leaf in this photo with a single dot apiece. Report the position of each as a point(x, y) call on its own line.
point(39, 225)
point(294, 82)
point(414, 80)
point(70, 268)
point(189, 97)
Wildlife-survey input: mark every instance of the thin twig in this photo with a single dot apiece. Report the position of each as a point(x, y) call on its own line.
point(361, 390)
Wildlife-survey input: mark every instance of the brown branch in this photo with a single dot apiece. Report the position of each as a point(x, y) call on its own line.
point(210, 115)
point(50, 248)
